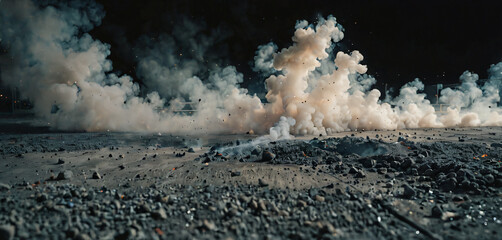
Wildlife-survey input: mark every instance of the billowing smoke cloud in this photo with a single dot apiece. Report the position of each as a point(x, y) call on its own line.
point(474, 105)
point(65, 72)
point(264, 59)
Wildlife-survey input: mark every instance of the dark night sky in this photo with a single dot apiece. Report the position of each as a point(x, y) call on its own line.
point(432, 40)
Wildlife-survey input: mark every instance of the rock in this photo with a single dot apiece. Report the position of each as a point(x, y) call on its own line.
point(7, 232)
point(302, 203)
point(191, 150)
point(144, 208)
point(159, 214)
point(313, 192)
point(60, 161)
point(496, 145)
point(395, 164)
point(82, 236)
point(353, 170)
point(262, 206)
point(408, 191)
point(4, 187)
point(408, 162)
point(422, 168)
point(235, 174)
point(40, 197)
point(489, 179)
point(256, 151)
point(428, 172)
point(369, 163)
point(262, 183)
point(66, 175)
point(319, 198)
point(360, 174)
point(328, 228)
point(436, 212)
point(382, 170)
point(72, 232)
point(451, 175)
point(209, 225)
point(96, 175)
point(448, 184)
point(267, 156)
point(498, 183)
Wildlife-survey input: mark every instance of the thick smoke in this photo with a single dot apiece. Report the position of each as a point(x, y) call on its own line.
point(264, 59)
point(66, 74)
point(58, 66)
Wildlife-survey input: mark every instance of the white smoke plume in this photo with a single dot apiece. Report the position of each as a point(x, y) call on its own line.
point(66, 74)
point(264, 59)
point(474, 105)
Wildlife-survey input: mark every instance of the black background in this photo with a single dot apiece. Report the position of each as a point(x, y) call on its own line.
point(432, 40)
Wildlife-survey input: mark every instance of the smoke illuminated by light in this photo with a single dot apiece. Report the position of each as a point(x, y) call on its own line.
point(66, 74)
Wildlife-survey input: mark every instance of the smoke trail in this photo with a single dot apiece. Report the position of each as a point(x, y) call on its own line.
point(66, 74)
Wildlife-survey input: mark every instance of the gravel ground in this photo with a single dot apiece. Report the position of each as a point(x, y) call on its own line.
point(420, 184)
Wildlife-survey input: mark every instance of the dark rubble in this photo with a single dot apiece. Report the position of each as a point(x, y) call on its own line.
point(167, 187)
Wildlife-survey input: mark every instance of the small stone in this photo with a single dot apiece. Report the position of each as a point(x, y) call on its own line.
point(395, 164)
point(313, 192)
point(60, 161)
point(66, 175)
point(408, 162)
point(328, 228)
point(267, 156)
point(382, 170)
point(428, 172)
point(235, 174)
point(42, 197)
point(353, 170)
point(262, 206)
point(72, 232)
point(7, 232)
point(191, 150)
point(209, 225)
point(110, 155)
point(159, 214)
point(4, 187)
point(262, 183)
point(319, 198)
point(489, 179)
point(451, 175)
point(408, 191)
point(96, 175)
point(449, 184)
point(253, 204)
point(360, 174)
point(143, 208)
point(436, 212)
point(369, 163)
point(83, 236)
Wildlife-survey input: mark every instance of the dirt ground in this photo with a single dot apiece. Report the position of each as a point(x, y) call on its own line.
point(132, 160)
